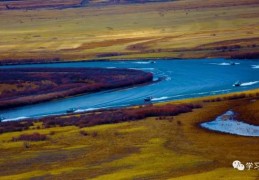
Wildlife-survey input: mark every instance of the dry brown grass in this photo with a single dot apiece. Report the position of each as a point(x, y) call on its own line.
point(180, 29)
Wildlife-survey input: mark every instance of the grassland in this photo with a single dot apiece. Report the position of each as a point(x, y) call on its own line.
point(145, 149)
point(149, 148)
point(178, 29)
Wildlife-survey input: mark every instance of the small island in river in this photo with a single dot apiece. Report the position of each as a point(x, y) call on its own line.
point(32, 85)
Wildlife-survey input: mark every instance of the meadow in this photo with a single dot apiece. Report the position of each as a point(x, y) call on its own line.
point(150, 148)
point(153, 141)
point(176, 29)
point(28, 86)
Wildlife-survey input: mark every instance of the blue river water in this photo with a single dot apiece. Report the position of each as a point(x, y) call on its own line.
point(182, 79)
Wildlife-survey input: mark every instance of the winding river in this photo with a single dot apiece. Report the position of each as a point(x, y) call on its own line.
point(181, 79)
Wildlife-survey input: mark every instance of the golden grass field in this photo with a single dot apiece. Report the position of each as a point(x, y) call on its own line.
point(173, 148)
point(145, 149)
point(177, 29)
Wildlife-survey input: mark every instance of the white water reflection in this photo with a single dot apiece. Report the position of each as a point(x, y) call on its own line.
point(227, 123)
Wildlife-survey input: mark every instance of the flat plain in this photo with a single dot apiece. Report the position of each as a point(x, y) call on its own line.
point(177, 29)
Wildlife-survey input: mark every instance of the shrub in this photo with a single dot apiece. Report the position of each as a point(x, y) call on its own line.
point(26, 145)
point(179, 123)
point(100, 117)
point(83, 133)
point(30, 137)
point(11, 126)
point(231, 97)
point(117, 133)
point(94, 134)
point(52, 133)
point(120, 115)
